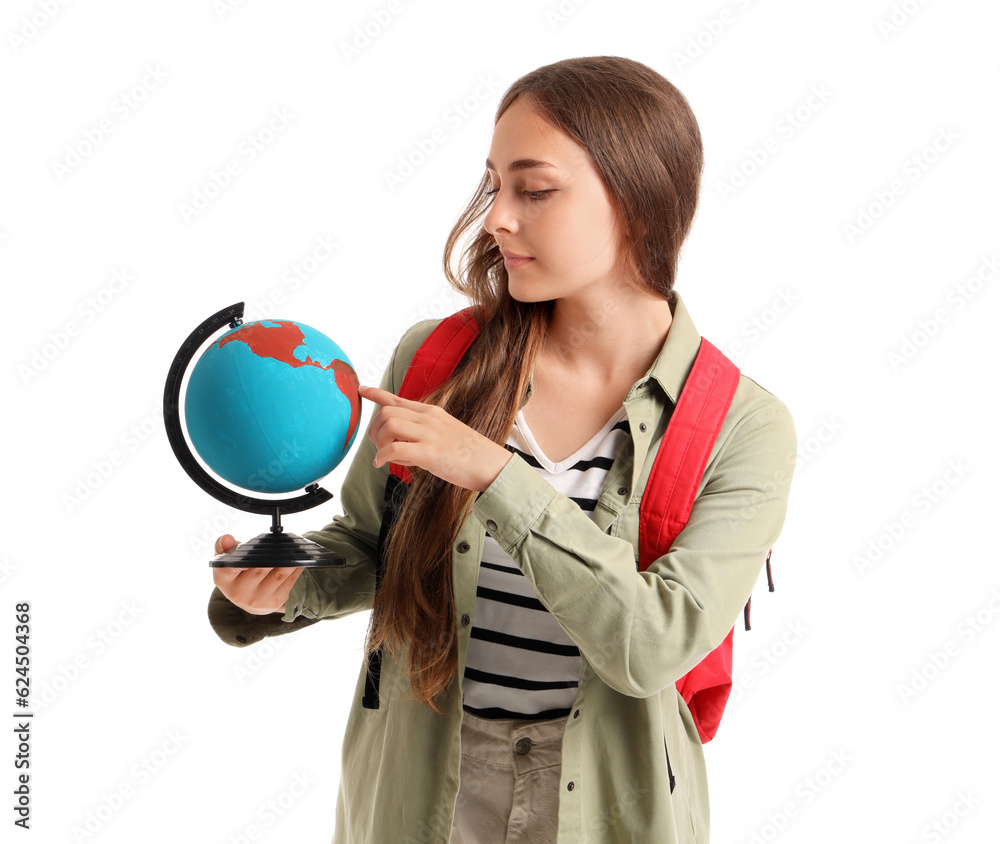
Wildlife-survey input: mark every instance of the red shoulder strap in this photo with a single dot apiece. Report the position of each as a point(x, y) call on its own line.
point(434, 361)
point(683, 454)
point(666, 505)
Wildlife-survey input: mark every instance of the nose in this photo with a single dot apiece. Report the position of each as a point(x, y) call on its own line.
point(500, 217)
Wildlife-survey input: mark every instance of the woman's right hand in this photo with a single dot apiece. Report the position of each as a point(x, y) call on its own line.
point(257, 590)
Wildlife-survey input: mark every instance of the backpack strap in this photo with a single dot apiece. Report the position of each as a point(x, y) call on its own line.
point(770, 588)
point(432, 364)
point(667, 502)
point(684, 451)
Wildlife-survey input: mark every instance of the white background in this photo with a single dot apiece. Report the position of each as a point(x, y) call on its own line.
point(880, 340)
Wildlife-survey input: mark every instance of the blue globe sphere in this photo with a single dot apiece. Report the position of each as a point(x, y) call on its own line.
point(272, 405)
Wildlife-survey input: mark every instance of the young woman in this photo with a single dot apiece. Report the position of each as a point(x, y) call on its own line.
point(527, 681)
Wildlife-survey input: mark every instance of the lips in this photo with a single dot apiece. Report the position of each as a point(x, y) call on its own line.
point(510, 262)
point(512, 255)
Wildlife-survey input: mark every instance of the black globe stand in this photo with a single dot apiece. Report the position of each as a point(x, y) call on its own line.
point(276, 548)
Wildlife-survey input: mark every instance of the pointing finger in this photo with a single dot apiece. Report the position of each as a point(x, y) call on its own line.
point(379, 396)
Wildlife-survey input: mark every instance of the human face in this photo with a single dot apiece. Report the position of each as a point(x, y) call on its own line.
point(550, 204)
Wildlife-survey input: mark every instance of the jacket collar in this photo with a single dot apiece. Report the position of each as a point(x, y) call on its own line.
point(673, 363)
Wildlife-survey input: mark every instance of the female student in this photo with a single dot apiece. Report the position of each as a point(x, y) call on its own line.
point(526, 684)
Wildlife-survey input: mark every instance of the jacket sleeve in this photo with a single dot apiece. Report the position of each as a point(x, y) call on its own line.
point(642, 631)
point(334, 591)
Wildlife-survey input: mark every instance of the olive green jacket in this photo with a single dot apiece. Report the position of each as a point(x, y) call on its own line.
point(637, 632)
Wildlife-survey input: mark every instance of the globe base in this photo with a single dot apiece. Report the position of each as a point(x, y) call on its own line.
point(278, 549)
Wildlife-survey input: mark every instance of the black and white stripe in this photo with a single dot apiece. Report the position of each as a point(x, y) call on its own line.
point(521, 663)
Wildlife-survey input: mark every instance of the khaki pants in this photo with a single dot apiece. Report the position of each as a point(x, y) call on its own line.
point(509, 793)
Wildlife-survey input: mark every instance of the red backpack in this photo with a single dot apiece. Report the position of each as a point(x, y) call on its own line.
point(666, 501)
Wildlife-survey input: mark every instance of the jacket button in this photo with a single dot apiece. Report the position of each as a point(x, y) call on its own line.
point(523, 745)
point(570, 786)
point(463, 547)
point(465, 620)
point(623, 490)
point(491, 525)
point(241, 638)
point(576, 714)
point(642, 426)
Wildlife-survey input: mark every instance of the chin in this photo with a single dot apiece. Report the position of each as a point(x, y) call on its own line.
point(525, 296)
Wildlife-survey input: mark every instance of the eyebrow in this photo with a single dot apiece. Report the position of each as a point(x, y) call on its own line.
point(523, 164)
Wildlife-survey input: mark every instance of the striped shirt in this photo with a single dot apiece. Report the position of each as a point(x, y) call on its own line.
point(520, 662)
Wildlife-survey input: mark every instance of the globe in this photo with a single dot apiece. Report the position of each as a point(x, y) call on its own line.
point(272, 405)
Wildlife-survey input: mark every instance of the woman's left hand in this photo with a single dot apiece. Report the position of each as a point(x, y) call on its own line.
point(412, 433)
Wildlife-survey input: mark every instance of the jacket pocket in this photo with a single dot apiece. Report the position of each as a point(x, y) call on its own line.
point(670, 772)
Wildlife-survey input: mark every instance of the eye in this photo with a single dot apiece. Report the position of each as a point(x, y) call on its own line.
point(533, 195)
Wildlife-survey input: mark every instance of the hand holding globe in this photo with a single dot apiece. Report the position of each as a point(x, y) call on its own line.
point(255, 590)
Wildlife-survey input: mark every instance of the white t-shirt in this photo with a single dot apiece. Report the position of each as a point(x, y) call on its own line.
point(521, 663)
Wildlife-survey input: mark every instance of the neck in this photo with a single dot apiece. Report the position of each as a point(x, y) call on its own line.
point(613, 341)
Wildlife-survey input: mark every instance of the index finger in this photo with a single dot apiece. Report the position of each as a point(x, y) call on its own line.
point(379, 396)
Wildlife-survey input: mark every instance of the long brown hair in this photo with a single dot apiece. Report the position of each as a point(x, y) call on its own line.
point(645, 142)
